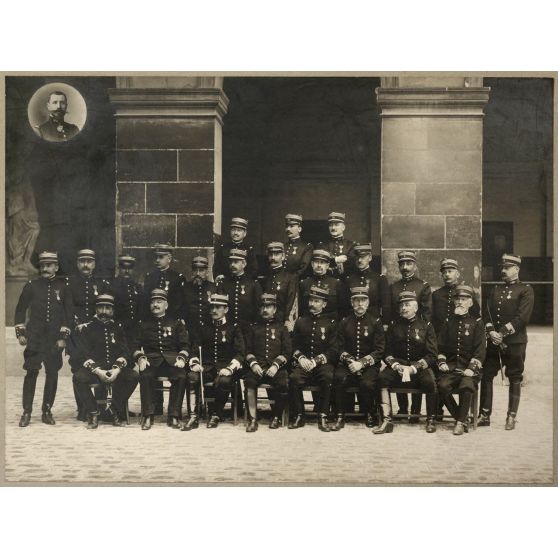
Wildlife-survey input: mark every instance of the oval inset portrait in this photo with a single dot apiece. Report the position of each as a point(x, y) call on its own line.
point(57, 112)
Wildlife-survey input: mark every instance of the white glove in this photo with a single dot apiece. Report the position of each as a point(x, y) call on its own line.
point(225, 372)
point(443, 367)
point(196, 368)
point(143, 363)
point(305, 363)
point(355, 366)
point(272, 370)
point(179, 363)
point(468, 372)
point(257, 369)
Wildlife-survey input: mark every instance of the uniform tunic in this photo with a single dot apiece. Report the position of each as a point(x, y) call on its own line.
point(337, 300)
point(244, 298)
point(443, 306)
point(284, 285)
point(339, 247)
point(420, 288)
point(378, 290)
point(196, 304)
point(298, 255)
point(221, 261)
point(169, 280)
point(127, 299)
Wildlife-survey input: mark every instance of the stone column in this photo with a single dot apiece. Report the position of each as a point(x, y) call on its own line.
point(432, 173)
point(168, 155)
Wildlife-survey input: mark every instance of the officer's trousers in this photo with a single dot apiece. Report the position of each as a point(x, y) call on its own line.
point(52, 360)
point(177, 378)
point(448, 382)
point(322, 376)
point(219, 392)
point(366, 382)
point(279, 392)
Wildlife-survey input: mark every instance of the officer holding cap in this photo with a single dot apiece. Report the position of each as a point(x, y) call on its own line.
point(362, 345)
point(238, 231)
point(340, 248)
point(462, 350)
point(105, 357)
point(411, 351)
point(161, 349)
point(218, 351)
point(314, 357)
point(297, 252)
point(268, 350)
point(508, 313)
point(281, 283)
point(48, 303)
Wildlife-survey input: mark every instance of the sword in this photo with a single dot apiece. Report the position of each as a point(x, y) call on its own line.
point(202, 399)
point(500, 347)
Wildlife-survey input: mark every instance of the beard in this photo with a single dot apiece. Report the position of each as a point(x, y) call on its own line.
point(460, 311)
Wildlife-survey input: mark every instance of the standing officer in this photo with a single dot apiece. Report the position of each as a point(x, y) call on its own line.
point(85, 286)
point(336, 299)
point(509, 311)
point(197, 293)
point(44, 335)
point(243, 291)
point(172, 282)
point(376, 284)
point(162, 348)
point(268, 349)
point(410, 282)
point(239, 229)
point(221, 346)
point(361, 344)
point(281, 283)
point(411, 351)
point(442, 298)
point(298, 252)
point(315, 354)
point(105, 357)
point(462, 348)
point(341, 249)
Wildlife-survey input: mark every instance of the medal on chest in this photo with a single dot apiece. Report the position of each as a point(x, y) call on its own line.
point(112, 338)
point(417, 336)
point(95, 291)
point(57, 294)
point(278, 285)
point(365, 331)
point(323, 329)
point(467, 329)
point(223, 336)
point(293, 251)
point(272, 333)
point(242, 290)
point(208, 293)
point(167, 283)
point(167, 331)
point(509, 295)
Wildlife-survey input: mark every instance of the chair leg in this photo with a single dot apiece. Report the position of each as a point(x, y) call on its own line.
point(475, 407)
point(285, 417)
point(235, 400)
point(127, 413)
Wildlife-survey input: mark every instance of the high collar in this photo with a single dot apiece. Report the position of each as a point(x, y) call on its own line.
point(408, 320)
point(514, 282)
point(163, 269)
point(365, 270)
point(101, 322)
point(359, 317)
point(315, 316)
point(47, 279)
point(336, 238)
point(160, 317)
point(461, 316)
point(295, 239)
point(220, 321)
point(238, 277)
point(278, 268)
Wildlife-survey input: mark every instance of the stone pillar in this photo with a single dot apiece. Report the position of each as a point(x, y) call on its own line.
point(432, 173)
point(168, 155)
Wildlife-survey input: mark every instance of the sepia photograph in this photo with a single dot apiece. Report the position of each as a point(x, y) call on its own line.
point(279, 279)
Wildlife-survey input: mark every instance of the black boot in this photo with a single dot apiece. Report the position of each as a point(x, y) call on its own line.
point(47, 417)
point(25, 419)
point(339, 423)
point(298, 422)
point(510, 421)
point(385, 428)
point(460, 428)
point(372, 420)
point(92, 421)
point(193, 422)
point(252, 425)
point(174, 422)
point(147, 422)
point(483, 420)
point(117, 421)
point(275, 423)
point(213, 421)
point(322, 423)
point(430, 425)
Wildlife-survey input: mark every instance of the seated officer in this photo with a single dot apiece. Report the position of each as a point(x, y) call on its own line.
point(411, 350)
point(104, 353)
point(315, 352)
point(220, 346)
point(361, 344)
point(462, 347)
point(268, 349)
point(162, 348)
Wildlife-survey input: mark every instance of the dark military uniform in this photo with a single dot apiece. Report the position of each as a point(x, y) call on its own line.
point(411, 343)
point(49, 303)
point(127, 300)
point(420, 288)
point(337, 247)
point(510, 307)
point(162, 340)
point(337, 299)
point(221, 261)
point(222, 346)
point(104, 345)
point(297, 257)
point(378, 290)
point(268, 342)
point(284, 285)
point(461, 345)
point(56, 130)
point(360, 339)
point(443, 306)
point(170, 281)
point(196, 304)
point(244, 296)
point(314, 337)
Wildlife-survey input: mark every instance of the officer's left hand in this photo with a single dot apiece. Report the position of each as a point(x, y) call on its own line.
point(22, 340)
point(225, 372)
point(467, 372)
point(289, 325)
point(271, 371)
point(179, 363)
point(355, 366)
point(114, 371)
point(61, 344)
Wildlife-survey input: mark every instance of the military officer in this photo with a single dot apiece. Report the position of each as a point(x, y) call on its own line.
point(218, 354)
point(197, 293)
point(442, 298)
point(509, 311)
point(44, 335)
point(243, 291)
point(282, 283)
point(85, 286)
point(314, 357)
point(238, 231)
point(361, 347)
point(340, 248)
point(462, 349)
point(103, 349)
point(337, 297)
point(410, 282)
point(268, 350)
point(298, 252)
point(161, 348)
point(411, 351)
point(127, 295)
point(376, 284)
point(172, 282)
point(55, 128)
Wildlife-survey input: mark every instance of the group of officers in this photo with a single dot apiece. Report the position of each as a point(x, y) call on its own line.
point(320, 317)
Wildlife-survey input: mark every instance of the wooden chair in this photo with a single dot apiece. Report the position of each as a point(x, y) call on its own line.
point(232, 400)
point(99, 389)
point(284, 418)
